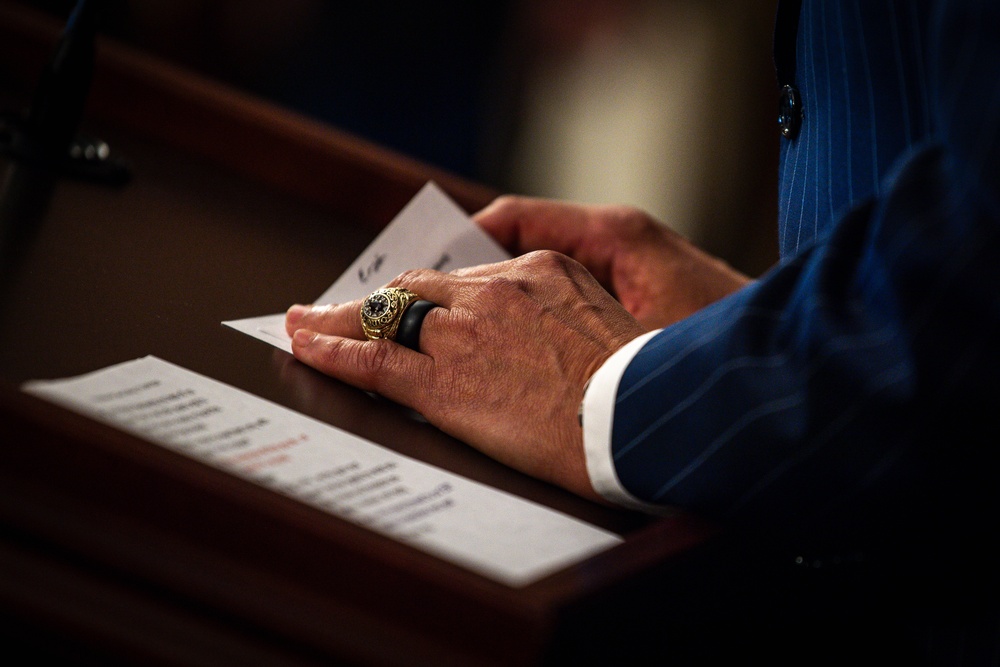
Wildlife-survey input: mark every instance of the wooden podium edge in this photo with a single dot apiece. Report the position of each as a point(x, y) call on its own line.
point(98, 509)
point(77, 487)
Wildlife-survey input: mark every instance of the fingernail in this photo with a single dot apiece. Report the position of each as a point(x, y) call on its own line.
point(295, 314)
point(303, 338)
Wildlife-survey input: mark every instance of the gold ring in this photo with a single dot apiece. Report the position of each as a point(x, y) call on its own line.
point(382, 309)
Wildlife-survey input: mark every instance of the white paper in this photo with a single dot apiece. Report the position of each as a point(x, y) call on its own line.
point(501, 536)
point(431, 232)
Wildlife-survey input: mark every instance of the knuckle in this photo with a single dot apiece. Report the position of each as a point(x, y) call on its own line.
point(499, 289)
point(633, 219)
point(550, 262)
point(408, 277)
point(373, 359)
point(507, 202)
point(465, 327)
point(625, 212)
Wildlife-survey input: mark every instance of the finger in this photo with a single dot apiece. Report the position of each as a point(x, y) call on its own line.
point(540, 275)
point(336, 319)
point(441, 288)
point(523, 224)
point(482, 270)
point(379, 366)
point(449, 290)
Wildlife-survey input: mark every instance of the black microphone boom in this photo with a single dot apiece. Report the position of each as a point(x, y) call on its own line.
point(46, 135)
point(61, 94)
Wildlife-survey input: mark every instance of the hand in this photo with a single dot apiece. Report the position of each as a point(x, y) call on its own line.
point(503, 360)
point(657, 275)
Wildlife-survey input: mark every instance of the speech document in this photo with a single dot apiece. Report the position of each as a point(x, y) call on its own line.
point(496, 534)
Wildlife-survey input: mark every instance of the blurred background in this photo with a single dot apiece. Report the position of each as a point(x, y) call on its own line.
point(667, 105)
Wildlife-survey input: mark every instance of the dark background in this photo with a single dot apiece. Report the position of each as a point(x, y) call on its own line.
point(448, 83)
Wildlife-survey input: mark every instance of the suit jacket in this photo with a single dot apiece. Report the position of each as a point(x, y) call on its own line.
point(850, 391)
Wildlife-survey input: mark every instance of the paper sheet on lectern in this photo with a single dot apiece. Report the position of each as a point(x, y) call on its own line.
point(431, 232)
point(496, 534)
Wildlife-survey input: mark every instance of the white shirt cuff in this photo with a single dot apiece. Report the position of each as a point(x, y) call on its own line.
point(597, 413)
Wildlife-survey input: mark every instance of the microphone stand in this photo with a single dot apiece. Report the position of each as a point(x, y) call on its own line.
point(46, 134)
point(42, 143)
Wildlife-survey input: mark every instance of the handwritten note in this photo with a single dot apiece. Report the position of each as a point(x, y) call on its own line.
point(431, 232)
point(498, 535)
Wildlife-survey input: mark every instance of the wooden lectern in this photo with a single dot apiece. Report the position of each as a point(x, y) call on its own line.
point(117, 551)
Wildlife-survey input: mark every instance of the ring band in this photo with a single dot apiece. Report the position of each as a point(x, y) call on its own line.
point(408, 332)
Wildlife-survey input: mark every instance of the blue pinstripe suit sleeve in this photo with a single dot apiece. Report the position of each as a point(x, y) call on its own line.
point(852, 368)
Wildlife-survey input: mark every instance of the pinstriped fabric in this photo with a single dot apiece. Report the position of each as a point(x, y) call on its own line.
point(852, 390)
point(855, 126)
point(839, 376)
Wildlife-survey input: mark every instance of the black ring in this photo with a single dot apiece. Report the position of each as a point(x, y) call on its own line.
point(408, 333)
